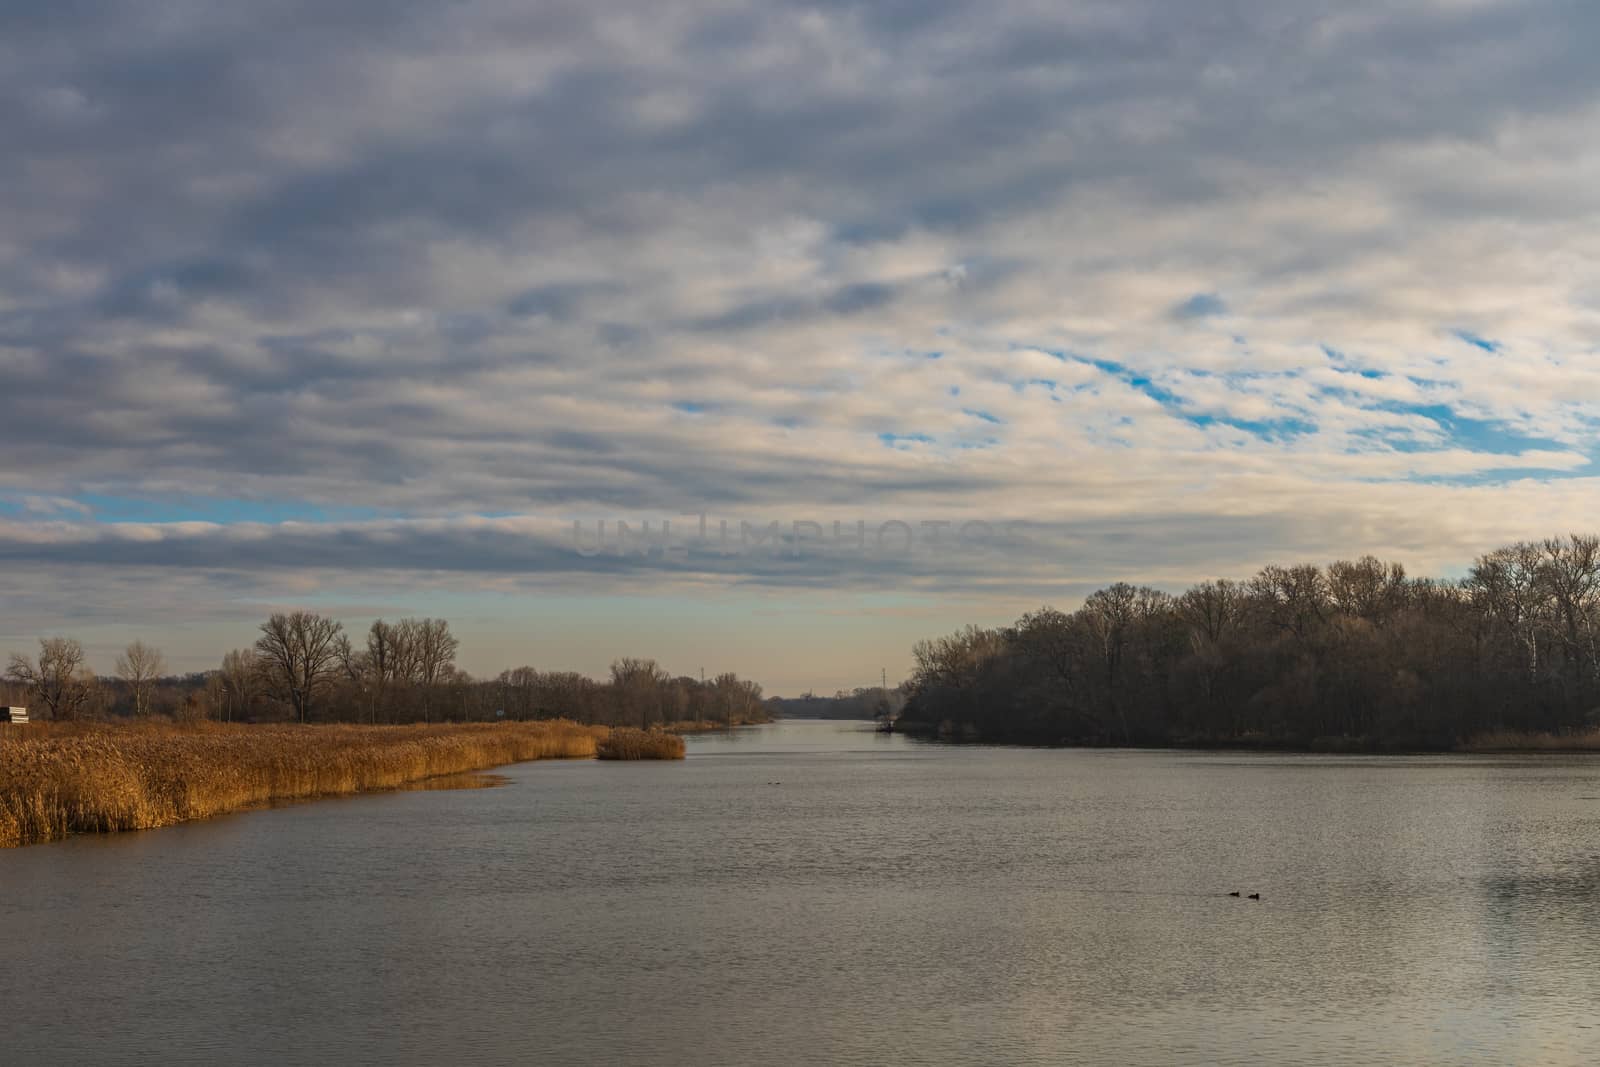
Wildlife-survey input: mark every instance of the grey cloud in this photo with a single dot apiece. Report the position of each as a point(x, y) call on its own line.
point(1200, 306)
point(891, 550)
point(861, 296)
point(849, 299)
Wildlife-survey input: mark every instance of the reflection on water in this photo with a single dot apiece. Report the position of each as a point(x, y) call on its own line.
point(818, 893)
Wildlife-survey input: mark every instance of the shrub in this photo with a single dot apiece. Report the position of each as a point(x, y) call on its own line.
point(628, 743)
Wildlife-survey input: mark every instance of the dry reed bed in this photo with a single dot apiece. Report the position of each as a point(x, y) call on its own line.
point(61, 780)
point(628, 743)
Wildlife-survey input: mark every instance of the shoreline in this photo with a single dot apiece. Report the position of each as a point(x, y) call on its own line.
point(711, 726)
point(1501, 743)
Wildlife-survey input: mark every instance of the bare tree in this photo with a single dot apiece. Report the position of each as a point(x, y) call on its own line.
point(241, 681)
point(300, 657)
point(139, 666)
point(383, 653)
point(60, 681)
point(738, 698)
point(434, 656)
point(1367, 588)
point(363, 676)
point(1212, 610)
point(1504, 585)
point(216, 695)
point(404, 644)
point(1295, 599)
point(636, 685)
point(1569, 579)
point(388, 663)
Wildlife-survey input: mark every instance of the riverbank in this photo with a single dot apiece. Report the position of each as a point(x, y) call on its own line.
point(1509, 741)
point(57, 780)
point(1502, 741)
point(710, 726)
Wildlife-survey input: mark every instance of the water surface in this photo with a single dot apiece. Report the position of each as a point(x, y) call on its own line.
point(816, 893)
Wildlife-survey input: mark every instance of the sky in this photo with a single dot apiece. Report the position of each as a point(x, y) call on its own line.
point(383, 308)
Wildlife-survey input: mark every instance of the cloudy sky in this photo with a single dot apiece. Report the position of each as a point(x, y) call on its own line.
point(361, 306)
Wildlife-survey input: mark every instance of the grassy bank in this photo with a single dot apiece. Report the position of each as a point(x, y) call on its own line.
point(57, 780)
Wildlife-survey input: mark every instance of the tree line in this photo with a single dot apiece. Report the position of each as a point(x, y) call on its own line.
point(305, 667)
point(863, 702)
point(1352, 655)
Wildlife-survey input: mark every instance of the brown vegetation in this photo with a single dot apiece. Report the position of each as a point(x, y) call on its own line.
point(61, 779)
point(627, 743)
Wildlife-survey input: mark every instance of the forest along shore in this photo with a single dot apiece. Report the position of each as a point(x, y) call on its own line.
point(1354, 656)
point(61, 779)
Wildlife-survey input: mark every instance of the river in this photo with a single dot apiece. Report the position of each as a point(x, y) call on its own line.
point(816, 893)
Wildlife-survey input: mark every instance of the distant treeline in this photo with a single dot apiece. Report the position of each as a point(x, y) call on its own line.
point(1353, 655)
point(304, 667)
point(863, 703)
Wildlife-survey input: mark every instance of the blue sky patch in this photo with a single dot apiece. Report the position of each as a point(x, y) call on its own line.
point(1478, 435)
point(1274, 430)
point(1478, 342)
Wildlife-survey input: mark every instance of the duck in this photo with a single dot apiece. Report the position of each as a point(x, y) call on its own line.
point(1234, 893)
point(1255, 896)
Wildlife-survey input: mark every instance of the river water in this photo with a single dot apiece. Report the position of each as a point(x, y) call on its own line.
point(815, 893)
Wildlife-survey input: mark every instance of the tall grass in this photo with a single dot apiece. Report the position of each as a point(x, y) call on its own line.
point(628, 743)
point(59, 780)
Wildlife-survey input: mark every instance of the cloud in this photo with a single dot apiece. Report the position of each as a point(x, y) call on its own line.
point(1200, 306)
point(1299, 268)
